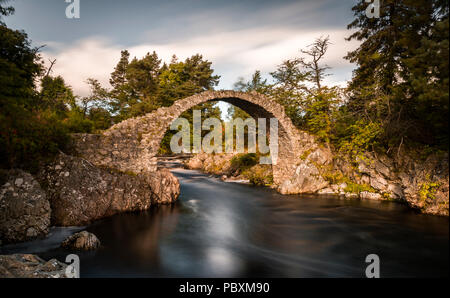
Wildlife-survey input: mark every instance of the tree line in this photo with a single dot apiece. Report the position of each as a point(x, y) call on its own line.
point(398, 96)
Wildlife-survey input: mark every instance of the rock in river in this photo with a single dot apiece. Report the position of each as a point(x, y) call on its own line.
point(81, 241)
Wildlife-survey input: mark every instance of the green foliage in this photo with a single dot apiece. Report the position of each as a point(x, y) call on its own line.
point(305, 154)
point(19, 67)
point(320, 111)
point(401, 79)
point(28, 138)
point(260, 175)
point(29, 130)
point(244, 161)
point(142, 76)
point(255, 84)
point(77, 122)
point(100, 117)
point(357, 188)
point(335, 177)
point(55, 94)
point(182, 79)
point(427, 191)
point(143, 85)
point(359, 138)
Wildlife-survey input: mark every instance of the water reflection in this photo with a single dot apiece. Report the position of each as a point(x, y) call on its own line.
point(220, 229)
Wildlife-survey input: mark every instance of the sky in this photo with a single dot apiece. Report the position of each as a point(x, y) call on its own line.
point(238, 37)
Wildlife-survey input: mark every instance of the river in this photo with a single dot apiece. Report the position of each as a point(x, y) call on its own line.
point(223, 229)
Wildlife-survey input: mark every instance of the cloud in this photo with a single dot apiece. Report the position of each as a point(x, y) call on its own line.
point(233, 53)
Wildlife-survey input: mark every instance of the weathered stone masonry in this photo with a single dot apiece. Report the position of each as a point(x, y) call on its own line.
point(132, 144)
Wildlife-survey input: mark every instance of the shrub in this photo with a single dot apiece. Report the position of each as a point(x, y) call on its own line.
point(76, 122)
point(244, 161)
point(259, 175)
point(31, 138)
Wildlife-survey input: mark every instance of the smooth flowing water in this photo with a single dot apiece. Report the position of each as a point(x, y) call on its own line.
point(220, 229)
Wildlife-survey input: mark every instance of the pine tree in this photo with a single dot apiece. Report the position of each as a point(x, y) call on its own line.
point(121, 95)
point(401, 79)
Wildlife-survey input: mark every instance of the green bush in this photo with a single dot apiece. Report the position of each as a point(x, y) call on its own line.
point(76, 122)
point(259, 175)
point(27, 139)
point(101, 118)
point(244, 161)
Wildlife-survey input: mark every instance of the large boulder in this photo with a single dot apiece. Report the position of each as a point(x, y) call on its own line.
point(81, 241)
point(80, 192)
point(307, 179)
point(24, 208)
point(30, 266)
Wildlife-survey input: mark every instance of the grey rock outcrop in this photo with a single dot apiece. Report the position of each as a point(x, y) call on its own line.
point(81, 241)
point(80, 192)
point(423, 185)
point(24, 208)
point(307, 177)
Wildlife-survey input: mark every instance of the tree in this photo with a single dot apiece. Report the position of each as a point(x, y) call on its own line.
point(313, 70)
point(121, 94)
point(321, 101)
point(98, 97)
point(289, 88)
point(183, 79)
point(27, 134)
point(20, 64)
point(56, 95)
point(143, 76)
point(256, 83)
point(428, 78)
point(401, 79)
point(299, 88)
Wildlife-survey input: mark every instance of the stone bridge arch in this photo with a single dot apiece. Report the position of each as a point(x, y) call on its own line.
point(132, 145)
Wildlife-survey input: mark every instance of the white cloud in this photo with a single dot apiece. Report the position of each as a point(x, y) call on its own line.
point(233, 53)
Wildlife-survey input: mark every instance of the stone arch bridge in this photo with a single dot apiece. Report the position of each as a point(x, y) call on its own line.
point(131, 145)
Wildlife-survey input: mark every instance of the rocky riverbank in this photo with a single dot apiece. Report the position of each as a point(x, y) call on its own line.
point(30, 266)
point(228, 166)
point(422, 185)
point(70, 191)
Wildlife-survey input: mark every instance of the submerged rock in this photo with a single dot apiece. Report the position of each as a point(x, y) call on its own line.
point(24, 208)
point(81, 241)
point(30, 266)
